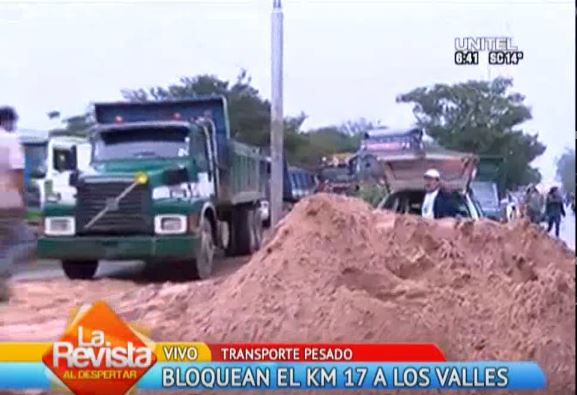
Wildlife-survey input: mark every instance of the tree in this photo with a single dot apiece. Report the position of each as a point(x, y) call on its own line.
point(483, 118)
point(78, 125)
point(566, 170)
point(249, 116)
point(314, 144)
point(356, 127)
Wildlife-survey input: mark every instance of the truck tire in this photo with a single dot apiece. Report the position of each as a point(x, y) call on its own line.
point(242, 232)
point(203, 264)
point(257, 231)
point(80, 270)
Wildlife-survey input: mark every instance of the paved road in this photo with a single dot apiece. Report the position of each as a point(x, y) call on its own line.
point(43, 270)
point(567, 230)
point(127, 270)
point(567, 233)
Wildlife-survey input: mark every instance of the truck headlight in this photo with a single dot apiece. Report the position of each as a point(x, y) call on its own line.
point(59, 226)
point(170, 224)
point(53, 197)
point(175, 192)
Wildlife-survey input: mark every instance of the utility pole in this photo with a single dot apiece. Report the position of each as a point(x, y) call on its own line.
point(276, 137)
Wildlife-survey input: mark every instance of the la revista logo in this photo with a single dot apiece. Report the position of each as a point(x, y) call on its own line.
point(100, 353)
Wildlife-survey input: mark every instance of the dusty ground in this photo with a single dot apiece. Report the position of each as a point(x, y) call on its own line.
point(335, 270)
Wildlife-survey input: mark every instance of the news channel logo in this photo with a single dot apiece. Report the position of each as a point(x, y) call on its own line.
point(501, 50)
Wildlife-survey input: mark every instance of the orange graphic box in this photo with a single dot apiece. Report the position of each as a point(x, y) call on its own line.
point(100, 354)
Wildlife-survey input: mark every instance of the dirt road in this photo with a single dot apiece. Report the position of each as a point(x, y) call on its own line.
point(337, 271)
point(36, 301)
point(130, 271)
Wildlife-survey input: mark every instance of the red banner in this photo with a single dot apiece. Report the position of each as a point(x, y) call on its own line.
point(310, 352)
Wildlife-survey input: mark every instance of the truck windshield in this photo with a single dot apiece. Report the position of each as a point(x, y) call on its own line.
point(486, 194)
point(150, 142)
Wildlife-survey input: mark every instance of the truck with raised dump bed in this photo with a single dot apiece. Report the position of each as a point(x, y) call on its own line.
point(167, 185)
point(401, 157)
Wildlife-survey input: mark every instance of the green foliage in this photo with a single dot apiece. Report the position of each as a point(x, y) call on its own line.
point(249, 116)
point(566, 170)
point(78, 125)
point(483, 118)
point(315, 144)
point(358, 127)
point(372, 193)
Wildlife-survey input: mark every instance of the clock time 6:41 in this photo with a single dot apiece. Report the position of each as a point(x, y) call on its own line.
point(466, 57)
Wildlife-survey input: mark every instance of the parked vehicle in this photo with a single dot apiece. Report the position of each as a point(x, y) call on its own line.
point(403, 175)
point(35, 153)
point(265, 188)
point(303, 182)
point(336, 175)
point(485, 187)
point(485, 192)
point(167, 185)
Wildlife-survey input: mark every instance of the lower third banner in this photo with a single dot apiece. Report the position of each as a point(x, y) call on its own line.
point(307, 376)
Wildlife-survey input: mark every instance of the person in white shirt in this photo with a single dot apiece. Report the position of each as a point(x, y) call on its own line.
point(437, 203)
point(11, 188)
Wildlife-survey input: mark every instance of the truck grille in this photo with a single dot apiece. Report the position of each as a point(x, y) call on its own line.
point(133, 214)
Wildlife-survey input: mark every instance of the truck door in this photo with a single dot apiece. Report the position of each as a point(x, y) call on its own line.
point(63, 162)
point(83, 152)
point(202, 152)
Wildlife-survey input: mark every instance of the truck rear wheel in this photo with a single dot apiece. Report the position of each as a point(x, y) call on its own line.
point(80, 270)
point(242, 231)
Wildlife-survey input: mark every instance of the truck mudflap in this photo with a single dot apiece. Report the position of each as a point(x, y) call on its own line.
point(179, 247)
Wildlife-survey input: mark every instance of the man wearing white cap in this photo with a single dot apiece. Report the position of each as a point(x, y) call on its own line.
point(437, 204)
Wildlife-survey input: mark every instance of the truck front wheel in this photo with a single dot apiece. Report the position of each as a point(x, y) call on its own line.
point(205, 257)
point(80, 270)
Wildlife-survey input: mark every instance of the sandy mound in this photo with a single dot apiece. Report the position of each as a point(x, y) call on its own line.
point(336, 270)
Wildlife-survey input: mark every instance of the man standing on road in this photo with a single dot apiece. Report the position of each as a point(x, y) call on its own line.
point(437, 202)
point(11, 192)
point(554, 209)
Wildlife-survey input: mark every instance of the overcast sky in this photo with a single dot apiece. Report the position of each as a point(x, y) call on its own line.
point(343, 59)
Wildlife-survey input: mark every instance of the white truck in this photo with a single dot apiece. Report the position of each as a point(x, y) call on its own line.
point(65, 154)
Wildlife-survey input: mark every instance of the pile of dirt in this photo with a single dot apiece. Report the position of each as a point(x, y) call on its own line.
point(335, 270)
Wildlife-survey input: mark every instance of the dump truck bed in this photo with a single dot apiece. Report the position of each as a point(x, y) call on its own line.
point(405, 169)
point(241, 176)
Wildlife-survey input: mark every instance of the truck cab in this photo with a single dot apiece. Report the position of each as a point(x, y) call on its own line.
point(336, 175)
point(166, 185)
point(65, 155)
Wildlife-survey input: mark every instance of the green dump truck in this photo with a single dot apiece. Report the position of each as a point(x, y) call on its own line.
point(167, 185)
